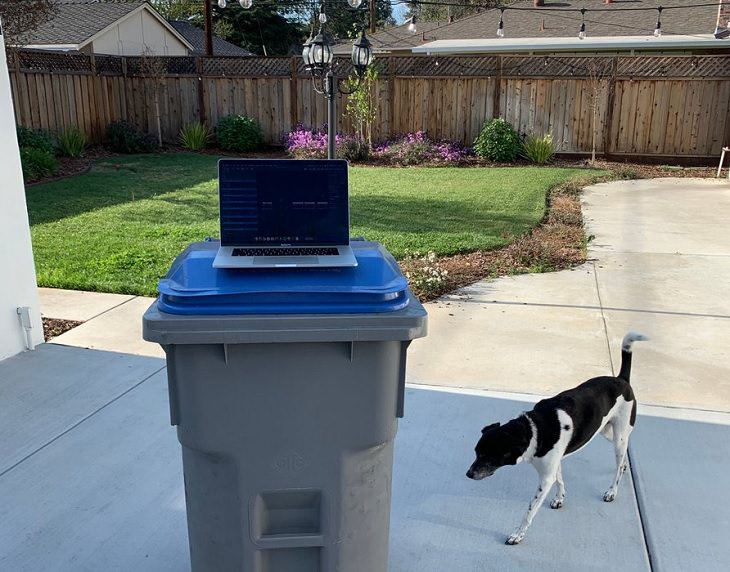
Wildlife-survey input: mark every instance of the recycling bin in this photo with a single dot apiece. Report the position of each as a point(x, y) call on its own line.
point(286, 386)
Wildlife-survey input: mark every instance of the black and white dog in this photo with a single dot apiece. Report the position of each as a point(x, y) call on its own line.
point(560, 426)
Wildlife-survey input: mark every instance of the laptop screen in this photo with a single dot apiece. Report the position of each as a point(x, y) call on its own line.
point(283, 201)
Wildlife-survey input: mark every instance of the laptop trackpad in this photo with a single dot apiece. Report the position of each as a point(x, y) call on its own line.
point(276, 260)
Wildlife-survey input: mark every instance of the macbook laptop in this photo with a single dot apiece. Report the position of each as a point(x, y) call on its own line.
point(283, 213)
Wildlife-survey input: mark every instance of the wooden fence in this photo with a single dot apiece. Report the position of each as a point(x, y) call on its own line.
point(643, 105)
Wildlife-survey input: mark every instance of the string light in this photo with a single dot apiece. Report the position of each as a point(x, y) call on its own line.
point(412, 24)
point(322, 15)
point(354, 3)
point(582, 33)
point(245, 4)
point(222, 3)
point(500, 28)
point(658, 27)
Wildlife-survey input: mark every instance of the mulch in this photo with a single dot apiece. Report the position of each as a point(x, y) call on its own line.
point(53, 327)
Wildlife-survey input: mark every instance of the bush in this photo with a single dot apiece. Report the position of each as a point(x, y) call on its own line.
point(539, 149)
point(498, 141)
point(305, 143)
point(34, 139)
point(426, 277)
point(37, 163)
point(239, 133)
point(417, 148)
point(71, 142)
point(124, 137)
point(194, 136)
point(352, 148)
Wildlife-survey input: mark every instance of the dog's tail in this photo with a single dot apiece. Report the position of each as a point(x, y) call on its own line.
point(628, 341)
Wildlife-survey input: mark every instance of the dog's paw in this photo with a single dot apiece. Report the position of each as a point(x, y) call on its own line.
point(610, 496)
point(556, 503)
point(515, 538)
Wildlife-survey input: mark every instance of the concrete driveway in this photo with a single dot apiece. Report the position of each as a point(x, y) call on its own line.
point(659, 264)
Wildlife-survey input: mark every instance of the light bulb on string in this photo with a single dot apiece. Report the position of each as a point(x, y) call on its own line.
point(245, 4)
point(500, 27)
point(582, 33)
point(222, 3)
point(658, 27)
point(412, 25)
point(354, 3)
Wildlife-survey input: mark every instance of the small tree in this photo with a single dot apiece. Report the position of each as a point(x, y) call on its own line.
point(20, 18)
point(599, 71)
point(362, 104)
point(153, 68)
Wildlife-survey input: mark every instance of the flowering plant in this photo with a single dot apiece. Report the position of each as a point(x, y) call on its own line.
point(305, 143)
point(416, 148)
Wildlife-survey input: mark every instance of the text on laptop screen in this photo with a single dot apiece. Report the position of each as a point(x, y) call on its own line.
point(276, 202)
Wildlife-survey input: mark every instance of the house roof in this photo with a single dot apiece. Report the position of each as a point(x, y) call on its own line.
point(75, 23)
point(557, 18)
point(571, 44)
point(196, 37)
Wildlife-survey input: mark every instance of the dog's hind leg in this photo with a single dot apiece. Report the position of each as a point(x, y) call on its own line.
point(557, 502)
point(621, 445)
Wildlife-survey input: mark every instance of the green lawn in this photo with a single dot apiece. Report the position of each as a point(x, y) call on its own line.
point(118, 227)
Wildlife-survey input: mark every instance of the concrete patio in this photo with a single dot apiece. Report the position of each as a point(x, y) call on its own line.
point(90, 472)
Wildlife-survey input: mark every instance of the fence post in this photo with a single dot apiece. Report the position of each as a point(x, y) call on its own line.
point(391, 99)
point(202, 116)
point(497, 89)
point(294, 99)
point(611, 97)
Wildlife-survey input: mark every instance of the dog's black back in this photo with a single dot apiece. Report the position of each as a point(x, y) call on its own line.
point(587, 404)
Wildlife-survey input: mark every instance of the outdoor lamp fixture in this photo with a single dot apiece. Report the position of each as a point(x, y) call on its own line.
point(500, 28)
point(658, 27)
point(318, 58)
point(582, 33)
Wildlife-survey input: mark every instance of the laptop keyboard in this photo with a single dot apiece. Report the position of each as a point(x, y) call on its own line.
point(308, 251)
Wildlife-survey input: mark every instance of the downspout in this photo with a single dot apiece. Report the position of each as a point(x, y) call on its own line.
point(27, 325)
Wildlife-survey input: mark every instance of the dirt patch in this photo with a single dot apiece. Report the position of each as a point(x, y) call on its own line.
point(53, 327)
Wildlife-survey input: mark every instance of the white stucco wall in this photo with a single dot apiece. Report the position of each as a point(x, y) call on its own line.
point(130, 37)
point(17, 271)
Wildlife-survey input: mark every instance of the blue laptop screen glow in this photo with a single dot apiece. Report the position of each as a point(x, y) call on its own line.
point(277, 202)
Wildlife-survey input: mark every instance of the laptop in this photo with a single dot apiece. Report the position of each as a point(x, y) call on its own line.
point(283, 213)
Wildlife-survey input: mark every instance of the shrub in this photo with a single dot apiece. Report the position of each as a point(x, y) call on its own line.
point(417, 148)
point(37, 163)
point(305, 143)
point(239, 133)
point(194, 136)
point(539, 149)
point(426, 277)
point(124, 137)
point(352, 148)
point(71, 142)
point(498, 141)
point(34, 139)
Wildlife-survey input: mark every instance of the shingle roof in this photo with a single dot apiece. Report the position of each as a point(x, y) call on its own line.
point(196, 37)
point(546, 22)
point(75, 21)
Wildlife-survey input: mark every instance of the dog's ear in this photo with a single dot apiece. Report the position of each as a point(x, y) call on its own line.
point(488, 427)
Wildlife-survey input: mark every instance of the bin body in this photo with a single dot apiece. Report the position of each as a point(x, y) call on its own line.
point(287, 424)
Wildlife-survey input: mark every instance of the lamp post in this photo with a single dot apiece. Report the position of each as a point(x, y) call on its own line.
point(318, 58)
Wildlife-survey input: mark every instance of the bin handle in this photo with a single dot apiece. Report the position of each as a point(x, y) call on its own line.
point(400, 407)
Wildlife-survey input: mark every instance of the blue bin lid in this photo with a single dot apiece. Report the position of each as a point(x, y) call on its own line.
point(193, 287)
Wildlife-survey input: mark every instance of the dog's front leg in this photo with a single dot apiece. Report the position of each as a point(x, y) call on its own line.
point(557, 502)
point(546, 483)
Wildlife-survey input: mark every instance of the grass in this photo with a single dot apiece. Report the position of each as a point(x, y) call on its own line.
point(118, 227)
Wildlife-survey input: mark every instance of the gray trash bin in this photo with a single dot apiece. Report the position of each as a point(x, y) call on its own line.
point(286, 388)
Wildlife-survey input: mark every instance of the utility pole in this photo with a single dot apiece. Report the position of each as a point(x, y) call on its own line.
point(372, 15)
point(208, 18)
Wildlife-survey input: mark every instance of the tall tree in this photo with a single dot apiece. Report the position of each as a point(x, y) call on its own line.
point(20, 18)
point(343, 21)
point(455, 9)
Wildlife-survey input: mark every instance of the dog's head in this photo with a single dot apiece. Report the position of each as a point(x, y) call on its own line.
point(497, 447)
